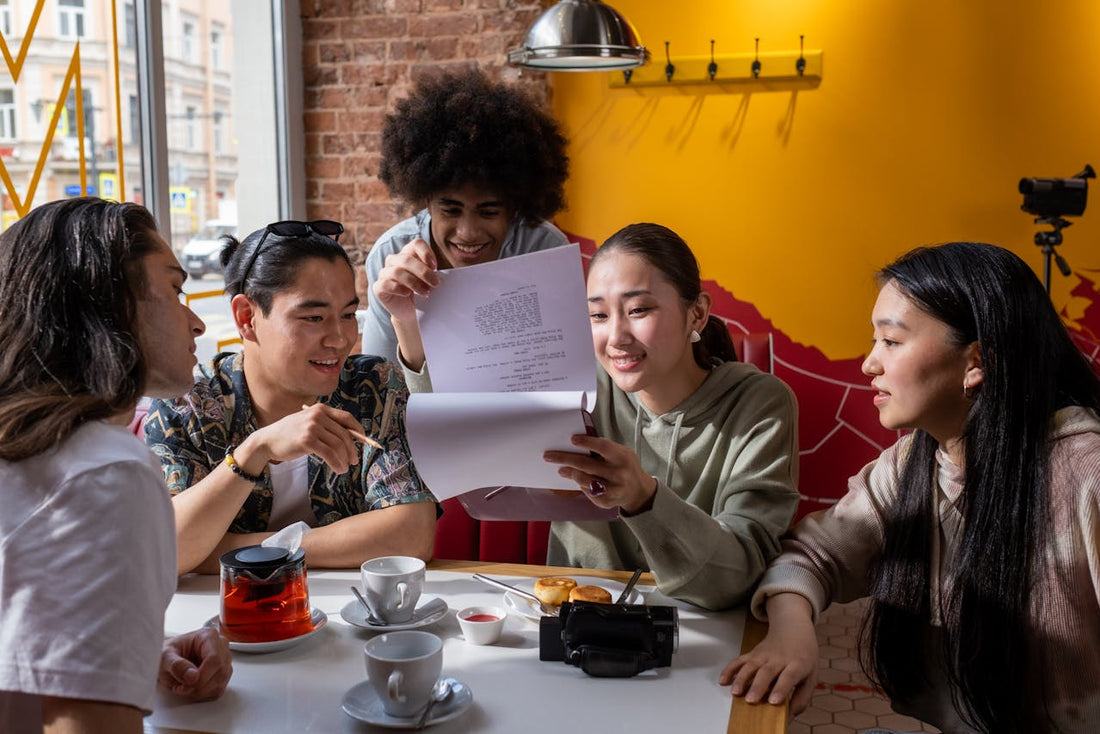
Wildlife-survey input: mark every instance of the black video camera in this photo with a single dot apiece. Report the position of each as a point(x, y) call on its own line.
point(610, 640)
point(1056, 197)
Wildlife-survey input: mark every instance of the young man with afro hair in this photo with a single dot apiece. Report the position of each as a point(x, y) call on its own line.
point(487, 166)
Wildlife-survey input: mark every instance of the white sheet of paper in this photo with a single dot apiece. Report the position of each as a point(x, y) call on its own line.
point(463, 441)
point(515, 324)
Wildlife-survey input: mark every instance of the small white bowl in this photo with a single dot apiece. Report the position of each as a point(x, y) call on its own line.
point(481, 625)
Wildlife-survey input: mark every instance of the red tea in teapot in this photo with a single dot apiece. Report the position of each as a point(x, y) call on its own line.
point(264, 595)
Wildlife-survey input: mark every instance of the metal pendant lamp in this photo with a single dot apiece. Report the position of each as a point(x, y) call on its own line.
point(580, 35)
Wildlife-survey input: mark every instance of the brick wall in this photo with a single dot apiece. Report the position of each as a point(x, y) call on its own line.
point(358, 58)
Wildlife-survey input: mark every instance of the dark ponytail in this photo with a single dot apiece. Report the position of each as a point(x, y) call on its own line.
point(714, 345)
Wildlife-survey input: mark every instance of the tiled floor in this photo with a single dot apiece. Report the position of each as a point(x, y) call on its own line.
point(845, 700)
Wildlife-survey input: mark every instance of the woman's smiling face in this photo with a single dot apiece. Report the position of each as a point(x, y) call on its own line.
point(641, 329)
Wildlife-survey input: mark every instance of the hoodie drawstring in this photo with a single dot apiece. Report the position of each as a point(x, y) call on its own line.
point(670, 458)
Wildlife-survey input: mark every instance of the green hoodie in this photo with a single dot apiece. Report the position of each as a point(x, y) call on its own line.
point(726, 463)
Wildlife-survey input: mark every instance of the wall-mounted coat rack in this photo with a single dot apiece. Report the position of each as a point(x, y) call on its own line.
point(717, 70)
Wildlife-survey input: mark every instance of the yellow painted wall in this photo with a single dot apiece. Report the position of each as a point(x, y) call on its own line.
point(928, 114)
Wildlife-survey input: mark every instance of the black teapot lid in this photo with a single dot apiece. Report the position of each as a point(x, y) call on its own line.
point(260, 559)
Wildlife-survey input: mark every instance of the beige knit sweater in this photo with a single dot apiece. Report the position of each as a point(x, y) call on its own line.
point(825, 559)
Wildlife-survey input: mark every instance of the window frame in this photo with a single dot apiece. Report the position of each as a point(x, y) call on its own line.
point(289, 121)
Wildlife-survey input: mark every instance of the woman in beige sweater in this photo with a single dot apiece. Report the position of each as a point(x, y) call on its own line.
point(977, 536)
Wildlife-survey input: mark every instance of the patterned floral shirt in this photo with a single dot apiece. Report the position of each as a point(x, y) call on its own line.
point(190, 436)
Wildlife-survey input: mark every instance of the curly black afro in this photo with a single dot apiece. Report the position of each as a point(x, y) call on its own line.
point(460, 128)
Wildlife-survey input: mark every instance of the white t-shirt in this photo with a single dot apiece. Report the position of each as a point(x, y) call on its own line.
point(290, 494)
point(87, 568)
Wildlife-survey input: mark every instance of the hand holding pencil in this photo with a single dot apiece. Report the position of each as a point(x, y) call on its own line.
point(357, 435)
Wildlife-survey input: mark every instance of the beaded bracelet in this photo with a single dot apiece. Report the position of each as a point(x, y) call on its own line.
point(232, 464)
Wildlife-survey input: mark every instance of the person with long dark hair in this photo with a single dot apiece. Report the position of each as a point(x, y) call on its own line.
point(976, 535)
point(292, 428)
point(90, 320)
point(699, 452)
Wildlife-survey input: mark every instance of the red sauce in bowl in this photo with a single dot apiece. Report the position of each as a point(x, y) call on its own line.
point(481, 618)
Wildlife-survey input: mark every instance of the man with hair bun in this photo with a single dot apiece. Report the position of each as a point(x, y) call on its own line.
point(486, 166)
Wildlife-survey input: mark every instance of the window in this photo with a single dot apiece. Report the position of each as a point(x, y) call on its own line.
point(216, 50)
point(129, 21)
point(89, 114)
point(5, 18)
point(190, 131)
point(7, 114)
point(219, 131)
point(187, 42)
point(135, 119)
point(70, 18)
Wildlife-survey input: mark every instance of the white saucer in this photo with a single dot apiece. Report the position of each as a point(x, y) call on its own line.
point(354, 614)
point(527, 608)
point(319, 619)
point(361, 702)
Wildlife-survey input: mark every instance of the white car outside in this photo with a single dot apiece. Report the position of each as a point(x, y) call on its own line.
point(202, 254)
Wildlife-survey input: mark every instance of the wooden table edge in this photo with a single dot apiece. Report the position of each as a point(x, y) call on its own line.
point(755, 718)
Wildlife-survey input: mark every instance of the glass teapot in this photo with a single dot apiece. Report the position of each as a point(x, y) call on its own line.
point(264, 595)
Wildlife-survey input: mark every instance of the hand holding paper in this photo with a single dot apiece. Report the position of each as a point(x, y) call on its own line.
point(511, 360)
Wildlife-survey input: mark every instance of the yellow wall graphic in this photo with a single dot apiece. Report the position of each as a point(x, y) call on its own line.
point(58, 121)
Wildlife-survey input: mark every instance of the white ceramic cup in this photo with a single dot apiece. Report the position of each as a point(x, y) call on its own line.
point(482, 625)
point(392, 585)
point(402, 668)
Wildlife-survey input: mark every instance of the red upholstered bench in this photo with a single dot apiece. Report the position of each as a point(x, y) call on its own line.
point(460, 537)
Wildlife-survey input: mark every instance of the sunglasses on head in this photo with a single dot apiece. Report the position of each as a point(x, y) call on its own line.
point(294, 228)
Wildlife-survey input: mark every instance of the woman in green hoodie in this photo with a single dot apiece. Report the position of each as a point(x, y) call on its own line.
point(698, 451)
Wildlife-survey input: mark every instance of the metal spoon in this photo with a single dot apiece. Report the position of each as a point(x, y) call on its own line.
point(629, 587)
point(440, 693)
point(546, 609)
point(372, 618)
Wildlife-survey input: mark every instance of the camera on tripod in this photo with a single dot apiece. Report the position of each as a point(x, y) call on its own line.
point(1051, 199)
point(610, 640)
point(1056, 197)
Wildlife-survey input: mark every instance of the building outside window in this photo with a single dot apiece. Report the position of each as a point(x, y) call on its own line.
point(70, 18)
point(7, 114)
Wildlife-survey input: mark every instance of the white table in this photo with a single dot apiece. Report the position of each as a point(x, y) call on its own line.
point(300, 689)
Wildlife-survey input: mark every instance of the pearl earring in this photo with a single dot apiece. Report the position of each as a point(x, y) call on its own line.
point(695, 336)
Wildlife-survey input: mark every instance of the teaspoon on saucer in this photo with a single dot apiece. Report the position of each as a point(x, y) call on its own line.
point(371, 616)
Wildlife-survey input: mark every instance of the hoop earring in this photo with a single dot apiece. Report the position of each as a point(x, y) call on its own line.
point(695, 338)
point(968, 391)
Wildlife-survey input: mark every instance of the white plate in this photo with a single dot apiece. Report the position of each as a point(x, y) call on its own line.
point(319, 619)
point(525, 607)
point(354, 614)
point(361, 702)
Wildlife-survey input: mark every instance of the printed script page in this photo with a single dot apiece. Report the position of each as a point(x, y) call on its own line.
point(516, 324)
